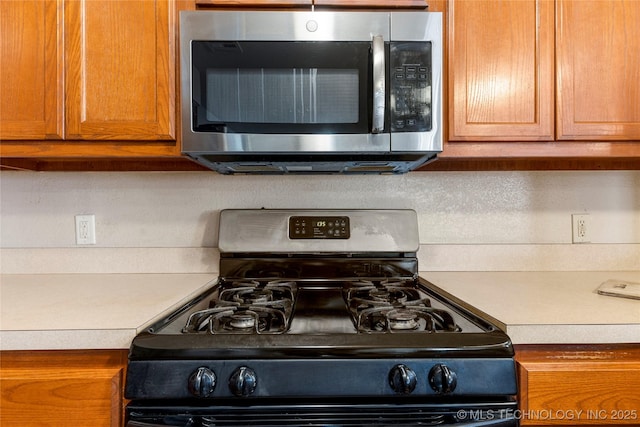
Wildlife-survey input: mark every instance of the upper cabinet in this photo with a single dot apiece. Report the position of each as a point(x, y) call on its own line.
point(83, 78)
point(501, 70)
point(598, 60)
point(31, 70)
point(556, 79)
point(533, 81)
point(120, 82)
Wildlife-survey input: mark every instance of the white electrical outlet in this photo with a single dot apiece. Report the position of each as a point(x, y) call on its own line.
point(85, 229)
point(581, 228)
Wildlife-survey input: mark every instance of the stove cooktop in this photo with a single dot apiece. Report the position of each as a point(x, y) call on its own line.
point(287, 319)
point(323, 332)
point(350, 307)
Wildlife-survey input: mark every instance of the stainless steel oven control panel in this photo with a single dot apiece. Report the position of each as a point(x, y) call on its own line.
point(314, 231)
point(319, 227)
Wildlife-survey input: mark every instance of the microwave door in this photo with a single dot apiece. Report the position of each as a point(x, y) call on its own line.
point(275, 87)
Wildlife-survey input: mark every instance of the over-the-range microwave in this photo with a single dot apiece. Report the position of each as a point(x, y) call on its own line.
point(311, 91)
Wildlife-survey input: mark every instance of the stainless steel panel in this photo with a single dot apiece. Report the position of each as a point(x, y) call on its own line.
point(311, 26)
point(418, 141)
point(267, 230)
point(416, 26)
point(282, 26)
point(276, 143)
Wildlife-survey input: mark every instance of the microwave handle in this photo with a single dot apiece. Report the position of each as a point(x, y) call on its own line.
point(377, 46)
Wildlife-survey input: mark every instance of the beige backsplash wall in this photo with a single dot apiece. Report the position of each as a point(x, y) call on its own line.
point(166, 222)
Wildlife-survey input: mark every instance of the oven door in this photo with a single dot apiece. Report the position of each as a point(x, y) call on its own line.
point(326, 414)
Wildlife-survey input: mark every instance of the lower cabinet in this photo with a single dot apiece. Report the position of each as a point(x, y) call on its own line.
point(62, 388)
point(579, 385)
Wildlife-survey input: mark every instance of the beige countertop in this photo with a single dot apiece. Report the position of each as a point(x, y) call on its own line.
point(88, 311)
point(102, 311)
point(548, 307)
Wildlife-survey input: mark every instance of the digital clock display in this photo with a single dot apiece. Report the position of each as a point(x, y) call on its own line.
point(316, 227)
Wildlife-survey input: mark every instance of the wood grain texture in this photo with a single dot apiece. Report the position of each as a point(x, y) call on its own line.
point(598, 57)
point(120, 70)
point(62, 388)
point(492, 120)
point(109, 111)
point(501, 70)
point(31, 70)
point(596, 385)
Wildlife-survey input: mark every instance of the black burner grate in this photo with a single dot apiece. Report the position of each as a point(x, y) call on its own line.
point(247, 307)
point(394, 306)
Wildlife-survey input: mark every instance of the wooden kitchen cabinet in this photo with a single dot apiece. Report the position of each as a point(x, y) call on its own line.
point(116, 64)
point(31, 70)
point(501, 70)
point(598, 60)
point(120, 70)
point(542, 84)
point(62, 388)
point(579, 385)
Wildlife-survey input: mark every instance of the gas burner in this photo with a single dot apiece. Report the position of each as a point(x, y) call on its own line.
point(402, 319)
point(407, 319)
point(394, 306)
point(247, 307)
point(243, 320)
point(367, 294)
point(251, 296)
point(361, 284)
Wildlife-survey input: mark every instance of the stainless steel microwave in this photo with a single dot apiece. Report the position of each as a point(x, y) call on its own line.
point(311, 91)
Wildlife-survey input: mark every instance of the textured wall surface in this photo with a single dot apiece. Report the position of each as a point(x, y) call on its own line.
point(180, 210)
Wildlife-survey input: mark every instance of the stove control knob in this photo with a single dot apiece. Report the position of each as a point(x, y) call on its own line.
point(202, 382)
point(402, 379)
point(442, 379)
point(243, 381)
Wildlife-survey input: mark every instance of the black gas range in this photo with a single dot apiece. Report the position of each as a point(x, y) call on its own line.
point(319, 318)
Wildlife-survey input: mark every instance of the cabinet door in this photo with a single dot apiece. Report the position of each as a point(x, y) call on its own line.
point(62, 388)
point(501, 70)
point(579, 385)
point(598, 69)
point(120, 70)
point(30, 70)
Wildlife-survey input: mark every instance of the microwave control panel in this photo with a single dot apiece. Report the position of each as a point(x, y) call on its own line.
point(410, 86)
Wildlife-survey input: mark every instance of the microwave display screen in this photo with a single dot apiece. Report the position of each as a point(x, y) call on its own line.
point(282, 95)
